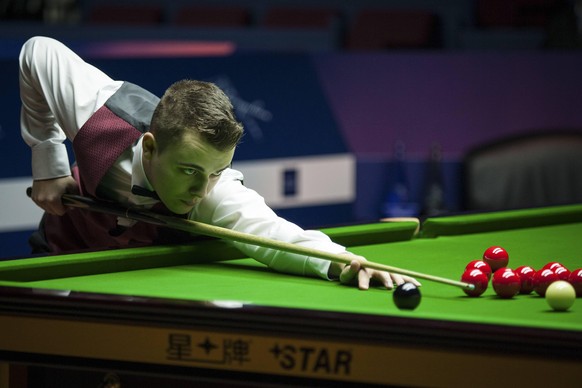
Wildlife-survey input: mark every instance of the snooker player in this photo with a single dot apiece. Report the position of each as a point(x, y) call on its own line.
point(172, 155)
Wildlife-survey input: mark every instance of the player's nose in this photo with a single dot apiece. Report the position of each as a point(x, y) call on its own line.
point(199, 188)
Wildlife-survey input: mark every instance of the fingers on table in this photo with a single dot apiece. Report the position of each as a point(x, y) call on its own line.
point(364, 276)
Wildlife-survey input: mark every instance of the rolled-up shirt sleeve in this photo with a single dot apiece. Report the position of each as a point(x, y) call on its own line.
point(232, 205)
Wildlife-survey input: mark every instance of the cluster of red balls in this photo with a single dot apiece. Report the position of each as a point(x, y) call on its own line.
point(509, 282)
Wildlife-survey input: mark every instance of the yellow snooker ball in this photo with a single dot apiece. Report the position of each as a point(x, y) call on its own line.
point(560, 295)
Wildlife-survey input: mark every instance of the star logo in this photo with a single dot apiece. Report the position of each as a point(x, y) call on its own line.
point(207, 345)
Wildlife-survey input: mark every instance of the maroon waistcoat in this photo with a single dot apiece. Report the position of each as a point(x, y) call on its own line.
point(102, 139)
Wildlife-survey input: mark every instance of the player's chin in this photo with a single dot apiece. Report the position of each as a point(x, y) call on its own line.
point(180, 207)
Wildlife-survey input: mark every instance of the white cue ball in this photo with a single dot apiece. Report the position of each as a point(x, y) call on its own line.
point(560, 295)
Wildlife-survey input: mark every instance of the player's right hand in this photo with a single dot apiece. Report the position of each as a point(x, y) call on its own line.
point(47, 193)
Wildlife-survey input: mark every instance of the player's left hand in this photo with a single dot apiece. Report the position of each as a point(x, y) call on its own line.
point(363, 277)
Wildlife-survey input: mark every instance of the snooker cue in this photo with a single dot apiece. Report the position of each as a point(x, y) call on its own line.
point(195, 227)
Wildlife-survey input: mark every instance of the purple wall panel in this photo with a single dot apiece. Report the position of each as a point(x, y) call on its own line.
point(457, 99)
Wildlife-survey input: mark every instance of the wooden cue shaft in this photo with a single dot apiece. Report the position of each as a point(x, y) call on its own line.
point(191, 226)
point(223, 233)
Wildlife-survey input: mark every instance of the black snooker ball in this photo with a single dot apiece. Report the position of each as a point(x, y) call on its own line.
point(406, 296)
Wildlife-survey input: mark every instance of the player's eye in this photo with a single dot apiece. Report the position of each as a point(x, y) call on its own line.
point(189, 171)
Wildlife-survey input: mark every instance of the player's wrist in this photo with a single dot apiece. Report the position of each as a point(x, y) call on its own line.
point(335, 270)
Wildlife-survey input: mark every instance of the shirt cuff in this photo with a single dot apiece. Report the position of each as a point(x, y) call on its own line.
point(50, 161)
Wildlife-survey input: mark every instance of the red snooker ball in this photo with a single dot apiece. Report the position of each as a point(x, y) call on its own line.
point(562, 272)
point(575, 279)
point(506, 283)
point(496, 257)
point(542, 280)
point(478, 279)
point(552, 265)
point(526, 276)
point(480, 265)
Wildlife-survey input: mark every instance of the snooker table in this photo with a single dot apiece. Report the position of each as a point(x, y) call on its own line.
point(205, 315)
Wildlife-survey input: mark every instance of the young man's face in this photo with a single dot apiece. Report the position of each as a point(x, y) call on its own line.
point(184, 172)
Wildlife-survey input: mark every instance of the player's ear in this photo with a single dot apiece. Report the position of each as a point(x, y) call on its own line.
point(149, 146)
